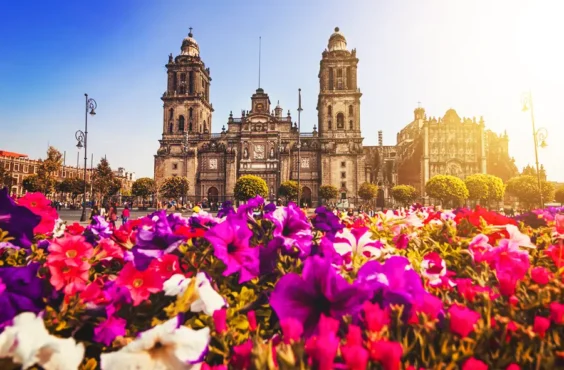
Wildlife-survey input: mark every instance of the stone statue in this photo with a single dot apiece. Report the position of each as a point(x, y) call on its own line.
point(170, 58)
point(271, 152)
point(245, 153)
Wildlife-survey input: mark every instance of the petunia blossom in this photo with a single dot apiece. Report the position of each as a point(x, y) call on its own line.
point(70, 279)
point(208, 299)
point(71, 250)
point(230, 241)
point(166, 346)
point(110, 329)
point(17, 220)
point(357, 242)
point(479, 247)
point(139, 283)
point(318, 291)
point(41, 206)
point(21, 290)
point(462, 320)
point(291, 229)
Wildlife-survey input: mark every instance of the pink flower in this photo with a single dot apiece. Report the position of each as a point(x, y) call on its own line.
point(356, 357)
point(474, 364)
point(166, 266)
point(71, 250)
point(557, 313)
point(559, 223)
point(541, 325)
point(354, 336)
point(433, 267)
point(387, 353)
point(540, 275)
point(513, 367)
point(241, 358)
point(94, 293)
point(518, 239)
point(507, 284)
point(41, 206)
point(252, 317)
point(141, 284)
point(431, 307)
point(322, 350)
point(556, 253)
point(479, 247)
point(508, 259)
point(462, 320)
point(109, 250)
point(401, 241)
point(220, 320)
point(109, 330)
point(292, 330)
point(375, 318)
point(72, 278)
point(350, 243)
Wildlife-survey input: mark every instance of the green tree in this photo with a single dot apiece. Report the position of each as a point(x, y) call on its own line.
point(175, 187)
point(32, 184)
point(447, 188)
point(115, 187)
point(48, 169)
point(289, 189)
point(103, 180)
point(559, 195)
point(328, 192)
point(478, 187)
point(143, 187)
point(64, 186)
point(367, 191)
point(404, 194)
point(4, 177)
point(526, 189)
point(249, 186)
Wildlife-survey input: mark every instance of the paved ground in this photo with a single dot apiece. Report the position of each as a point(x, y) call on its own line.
point(74, 215)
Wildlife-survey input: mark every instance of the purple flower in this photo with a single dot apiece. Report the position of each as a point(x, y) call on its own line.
point(270, 207)
point(109, 330)
point(394, 282)
point(318, 291)
point(246, 210)
point(155, 238)
point(291, 229)
point(17, 220)
point(226, 209)
point(99, 227)
point(327, 221)
point(20, 291)
point(230, 242)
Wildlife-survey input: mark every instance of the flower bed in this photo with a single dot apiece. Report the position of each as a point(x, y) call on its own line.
point(265, 288)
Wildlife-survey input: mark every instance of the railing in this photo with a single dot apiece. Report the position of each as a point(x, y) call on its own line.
point(236, 120)
point(306, 134)
point(216, 136)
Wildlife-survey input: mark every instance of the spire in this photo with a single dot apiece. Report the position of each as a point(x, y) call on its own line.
point(190, 33)
point(259, 63)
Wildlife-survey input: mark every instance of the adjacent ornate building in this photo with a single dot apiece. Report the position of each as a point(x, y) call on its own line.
point(263, 141)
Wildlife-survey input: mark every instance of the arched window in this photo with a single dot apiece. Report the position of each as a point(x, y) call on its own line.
point(190, 112)
point(171, 114)
point(329, 111)
point(329, 124)
point(330, 78)
point(170, 127)
point(349, 78)
point(200, 128)
point(183, 77)
point(181, 124)
point(191, 82)
point(340, 120)
point(339, 79)
point(351, 110)
point(205, 127)
point(182, 89)
point(350, 124)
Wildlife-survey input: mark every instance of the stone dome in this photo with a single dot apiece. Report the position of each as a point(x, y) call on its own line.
point(337, 41)
point(190, 46)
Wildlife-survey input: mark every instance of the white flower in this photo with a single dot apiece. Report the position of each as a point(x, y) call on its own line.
point(209, 300)
point(357, 242)
point(59, 229)
point(518, 239)
point(166, 346)
point(28, 343)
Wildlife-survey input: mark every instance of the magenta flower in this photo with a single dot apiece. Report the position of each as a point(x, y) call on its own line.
point(318, 291)
point(292, 330)
point(230, 242)
point(17, 220)
point(291, 229)
point(109, 330)
point(462, 320)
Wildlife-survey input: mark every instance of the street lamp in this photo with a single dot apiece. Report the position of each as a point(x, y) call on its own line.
point(82, 138)
point(539, 138)
point(299, 144)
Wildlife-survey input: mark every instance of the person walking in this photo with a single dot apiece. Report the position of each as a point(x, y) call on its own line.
point(125, 215)
point(112, 216)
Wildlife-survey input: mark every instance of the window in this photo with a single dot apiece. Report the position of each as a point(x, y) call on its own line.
point(64, 174)
point(183, 78)
point(34, 169)
point(351, 110)
point(205, 127)
point(343, 185)
point(26, 168)
point(349, 78)
point(343, 164)
point(174, 82)
point(191, 82)
point(190, 125)
point(175, 166)
point(329, 111)
point(16, 179)
point(343, 175)
point(181, 124)
point(190, 111)
point(343, 196)
point(350, 124)
point(340, 120)
point(339, 79)
point(182, 89)
point(329, 124)
point(170, 114)
point(16, 166)
point(170, 127)
point(330, 78)
point(7, 165)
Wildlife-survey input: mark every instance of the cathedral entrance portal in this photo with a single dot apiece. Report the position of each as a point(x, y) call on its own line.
point(213, 194)
point(306, 197)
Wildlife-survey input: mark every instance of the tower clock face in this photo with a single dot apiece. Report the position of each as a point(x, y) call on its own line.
point(260, 107)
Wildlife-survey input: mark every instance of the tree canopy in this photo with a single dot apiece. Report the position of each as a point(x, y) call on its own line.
point(174, 187)
point(559, 195)
point(526, 189)
point(484, 188)
point(328, 192)
point(367, 191)
point(143, 187)
point(249, 186)
point(447, 188)
point(103, 179)
point(289, 189)
point(404, 194)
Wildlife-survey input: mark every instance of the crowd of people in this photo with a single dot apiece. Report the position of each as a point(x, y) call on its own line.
point(110, 213)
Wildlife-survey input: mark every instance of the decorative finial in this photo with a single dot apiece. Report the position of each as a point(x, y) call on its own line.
point(418, 104)
point(336, 29)
point(190, 33)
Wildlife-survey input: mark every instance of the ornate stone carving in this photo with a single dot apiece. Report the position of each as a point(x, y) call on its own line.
point(213, 164)
point(258, 151)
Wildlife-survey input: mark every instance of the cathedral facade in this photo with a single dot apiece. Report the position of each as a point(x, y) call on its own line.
point(263, 141)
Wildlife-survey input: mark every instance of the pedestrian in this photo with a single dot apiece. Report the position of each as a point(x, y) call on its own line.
point(125, 214)
point(112, 216)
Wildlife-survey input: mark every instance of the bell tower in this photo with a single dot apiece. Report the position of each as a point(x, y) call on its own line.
point(338, 112)
point(187, 112)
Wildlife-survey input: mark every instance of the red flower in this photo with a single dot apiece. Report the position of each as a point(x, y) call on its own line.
point(220, 320)
point(474, 364)
point(110, 250)
point(356, 357)
point(540, 275)
point(252, 317)
point(559, 223)
point(511, 328)
point(72, 278)
point(557, 312)
point(354, 336)
point(71, 250)
point(75, 229)
point(188, 232)
point(556, 253)
point(375, 318)
point(166, 266)
point(387, 353)
point(513, 367)
point(541, 325)
point(125, 235)
point(462, 320)
point(94, 293)
point(41, 206)
point(139, 283)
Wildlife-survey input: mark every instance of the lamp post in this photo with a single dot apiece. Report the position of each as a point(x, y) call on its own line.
point(82, 138)
point(539, 139)
point(299, 144)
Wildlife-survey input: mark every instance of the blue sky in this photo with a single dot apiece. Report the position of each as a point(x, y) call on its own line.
point(474, 56)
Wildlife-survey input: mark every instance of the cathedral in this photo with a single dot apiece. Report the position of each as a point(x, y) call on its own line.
point(267, 142)
point(263, 141)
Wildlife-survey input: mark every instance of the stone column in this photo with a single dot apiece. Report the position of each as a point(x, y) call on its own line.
point(426, 171)
point(230, 172)
point(191, 159)
point(483, 145)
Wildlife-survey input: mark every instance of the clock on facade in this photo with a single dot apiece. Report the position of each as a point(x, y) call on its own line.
point(259, 107)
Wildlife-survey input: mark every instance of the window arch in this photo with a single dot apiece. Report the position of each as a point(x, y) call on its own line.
point(351, 110)
point(170, 113)
point(330, 78)
point(205, 127)
point(340, 120)
point(181, 123)
point(170, 127)
point(329, 111)
point(190, 111)
point(351, 124)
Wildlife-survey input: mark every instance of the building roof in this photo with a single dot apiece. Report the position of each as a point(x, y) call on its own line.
point(5, 153)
